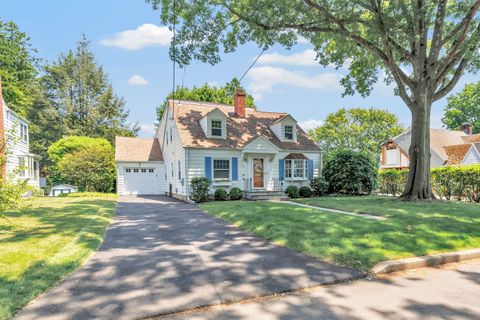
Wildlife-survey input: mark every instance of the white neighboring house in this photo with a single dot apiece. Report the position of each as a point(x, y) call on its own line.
point(60, 189)
point(259, 152)
point(21, 164)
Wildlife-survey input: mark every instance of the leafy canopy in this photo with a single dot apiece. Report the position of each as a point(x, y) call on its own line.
point(74, 144)
point(464, 107)
point(358, 129)
point(18, 67)
point(208, 93)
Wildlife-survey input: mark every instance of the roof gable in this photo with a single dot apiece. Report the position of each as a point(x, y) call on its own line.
point(260, 144)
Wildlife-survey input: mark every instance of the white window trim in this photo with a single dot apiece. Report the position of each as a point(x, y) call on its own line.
point(292, 170)
point(221, 128)
point(285, 132)
point(220, 181)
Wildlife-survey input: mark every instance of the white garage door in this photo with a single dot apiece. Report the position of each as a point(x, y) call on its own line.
point(141, 180)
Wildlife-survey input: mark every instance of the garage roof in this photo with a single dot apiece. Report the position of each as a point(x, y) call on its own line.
point(137, 149)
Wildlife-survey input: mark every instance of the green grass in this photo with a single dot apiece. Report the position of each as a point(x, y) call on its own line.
point(41, 244)
point(411, 229)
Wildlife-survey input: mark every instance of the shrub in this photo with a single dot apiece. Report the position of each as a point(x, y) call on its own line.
point(292, 192)
point(305, 192)
point(319, 186)
point(462, 182)
point(200, 187)
point(11, 195)
point(89, 169)
point(392, 181)
point(350, 172)
point(236, 194)
point(221, 194)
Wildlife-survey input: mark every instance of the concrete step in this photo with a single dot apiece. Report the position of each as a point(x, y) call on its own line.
point(266, 195)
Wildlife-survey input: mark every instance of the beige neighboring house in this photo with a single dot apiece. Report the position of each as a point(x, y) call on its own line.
point(448, 147)
point(259, 152)
point(21, 164)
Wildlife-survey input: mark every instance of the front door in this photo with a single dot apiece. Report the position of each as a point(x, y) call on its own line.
point(258, 172)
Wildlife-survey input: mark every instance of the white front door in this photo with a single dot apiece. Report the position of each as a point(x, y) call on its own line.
point(140, 180)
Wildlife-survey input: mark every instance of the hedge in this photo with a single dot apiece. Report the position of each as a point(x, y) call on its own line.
point(449, 182)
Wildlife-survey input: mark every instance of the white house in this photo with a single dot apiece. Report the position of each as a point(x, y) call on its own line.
point(20, 164)
point(258, 152)
point(447, 147)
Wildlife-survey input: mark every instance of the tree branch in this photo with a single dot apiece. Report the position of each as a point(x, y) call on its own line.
point(435, 45)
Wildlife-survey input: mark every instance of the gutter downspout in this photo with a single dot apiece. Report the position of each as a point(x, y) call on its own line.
point(187, 178)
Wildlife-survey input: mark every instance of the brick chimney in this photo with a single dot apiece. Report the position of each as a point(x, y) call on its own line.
point(3, 168)
point(467, 128)
point(239, 103)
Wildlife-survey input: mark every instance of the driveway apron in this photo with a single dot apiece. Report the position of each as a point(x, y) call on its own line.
point(162, 255)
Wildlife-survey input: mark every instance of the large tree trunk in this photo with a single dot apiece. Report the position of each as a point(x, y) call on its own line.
point(418, 183)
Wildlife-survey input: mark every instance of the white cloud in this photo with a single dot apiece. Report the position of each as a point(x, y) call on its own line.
point(137, 80)
point(263, 79)
point(310, 124)
point(143, 36)
point(303, 58)
point(147, 129)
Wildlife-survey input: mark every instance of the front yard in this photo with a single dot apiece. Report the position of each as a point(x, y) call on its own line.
point(410, 229)
point(41, 244)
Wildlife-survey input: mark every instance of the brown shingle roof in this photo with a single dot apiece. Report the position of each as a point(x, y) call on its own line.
point(137, 149)
point(240, 131)
point(456, 153)
point(474, 138)
point(439, 139)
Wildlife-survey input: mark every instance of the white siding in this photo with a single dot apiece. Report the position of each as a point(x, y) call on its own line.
point(17, 147)
point(472, 157)
point(158, 184)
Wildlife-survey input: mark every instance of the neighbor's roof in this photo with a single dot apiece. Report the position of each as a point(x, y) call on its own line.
point(240, 131)
point(474, 138)
point(137, 149)
point(456, 153)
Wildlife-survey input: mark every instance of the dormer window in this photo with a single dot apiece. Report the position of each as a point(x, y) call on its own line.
point(288, 132)
point(216, 128)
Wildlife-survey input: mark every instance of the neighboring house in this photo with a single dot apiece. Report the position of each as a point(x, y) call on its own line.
point(447, 147)
point(20, 164)
point(258, 152)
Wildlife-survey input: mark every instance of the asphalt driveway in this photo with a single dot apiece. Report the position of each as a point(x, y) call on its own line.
point(161, 255)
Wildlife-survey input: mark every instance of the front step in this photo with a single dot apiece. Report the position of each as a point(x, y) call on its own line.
point(266, 195)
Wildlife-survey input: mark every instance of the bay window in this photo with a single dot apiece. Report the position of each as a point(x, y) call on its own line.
point(296, 169)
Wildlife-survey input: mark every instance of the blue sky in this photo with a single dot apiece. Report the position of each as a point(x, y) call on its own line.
point(128, 40)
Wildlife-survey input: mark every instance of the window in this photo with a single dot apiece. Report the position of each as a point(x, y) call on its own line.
point(296, 169)
point(172, 170)
point(144, 170)
point(288, 132)
point(171, 134)
point(135, 170)
point(21, 166)
point(216, 128)
point(151, 170)
point(221, 169)
point(23, 132)
point(128, 170)
point(179, 171)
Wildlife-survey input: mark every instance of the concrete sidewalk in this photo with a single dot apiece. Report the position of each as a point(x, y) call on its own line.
point(161, 255)
point(452, 292)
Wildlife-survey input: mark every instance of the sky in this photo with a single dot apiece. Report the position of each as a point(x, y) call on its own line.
point(132, 45)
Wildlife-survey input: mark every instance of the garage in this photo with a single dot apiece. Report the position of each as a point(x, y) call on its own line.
point(140, 167)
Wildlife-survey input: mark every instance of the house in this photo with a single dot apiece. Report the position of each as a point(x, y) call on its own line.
point(447, 147)
point(258, 152)
point(20, 163)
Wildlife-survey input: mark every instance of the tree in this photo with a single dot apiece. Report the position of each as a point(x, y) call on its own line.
point(78, 90)
point(464, 107)
point(424, 47)
point(207, 93)
point(17, 67)
point(362, 130)
point(83, 161)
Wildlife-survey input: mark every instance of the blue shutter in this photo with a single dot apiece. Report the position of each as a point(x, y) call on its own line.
point(234, 169)
point(281, 169)
point(208, 167)
point(310, 169)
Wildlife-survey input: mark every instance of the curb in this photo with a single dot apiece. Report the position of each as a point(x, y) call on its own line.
point(425, 261)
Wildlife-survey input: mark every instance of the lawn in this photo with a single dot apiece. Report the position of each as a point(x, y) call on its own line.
point(410, 229)
point(49, 239)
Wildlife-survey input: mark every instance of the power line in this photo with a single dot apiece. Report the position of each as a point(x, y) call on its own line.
point(255, 61)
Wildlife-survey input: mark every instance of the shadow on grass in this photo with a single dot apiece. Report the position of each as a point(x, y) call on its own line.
point(29, 239)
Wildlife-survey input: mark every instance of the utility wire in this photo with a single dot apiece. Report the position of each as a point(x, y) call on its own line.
point(251, 66)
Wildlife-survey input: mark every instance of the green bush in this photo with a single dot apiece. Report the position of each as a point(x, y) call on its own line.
point(236, 194)
point(462, 182)
point(319, 186)
point(200, 188)
point(305, 192)
point(292, 192)
point(392, 181)
point(350, 172)
point(221, 194)
point(11, 195)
